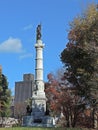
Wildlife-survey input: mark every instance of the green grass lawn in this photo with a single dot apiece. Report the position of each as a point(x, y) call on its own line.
point(32, 128)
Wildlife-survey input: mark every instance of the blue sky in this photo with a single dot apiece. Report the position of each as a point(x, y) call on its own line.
point(18, 22)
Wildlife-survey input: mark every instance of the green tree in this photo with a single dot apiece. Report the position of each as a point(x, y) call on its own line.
point(5, 97)
point(80, 56)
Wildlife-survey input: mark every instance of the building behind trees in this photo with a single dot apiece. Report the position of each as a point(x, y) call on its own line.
point(23, 93)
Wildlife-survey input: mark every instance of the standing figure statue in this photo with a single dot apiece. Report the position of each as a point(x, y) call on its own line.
point(38, 36)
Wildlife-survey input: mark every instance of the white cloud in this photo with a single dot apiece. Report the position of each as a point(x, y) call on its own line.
point(12, 45)
point(27, 55)
point(30, 26)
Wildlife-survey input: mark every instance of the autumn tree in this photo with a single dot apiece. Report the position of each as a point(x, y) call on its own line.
point(62, 99)
point(80, 56)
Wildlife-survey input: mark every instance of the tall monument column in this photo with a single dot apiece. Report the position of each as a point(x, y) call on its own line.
point(39, 60)
point(38, 95)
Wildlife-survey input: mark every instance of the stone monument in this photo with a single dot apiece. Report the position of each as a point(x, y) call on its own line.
point(38, 95)
point(38, 117)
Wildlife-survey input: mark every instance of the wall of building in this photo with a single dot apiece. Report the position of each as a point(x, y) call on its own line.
point(23, 91)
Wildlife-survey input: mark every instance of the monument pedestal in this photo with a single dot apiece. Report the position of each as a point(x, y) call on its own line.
point(46, 121)
point(38, 117)
point(38, 106)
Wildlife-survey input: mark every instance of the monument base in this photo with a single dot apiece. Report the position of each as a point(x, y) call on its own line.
point(46, 121)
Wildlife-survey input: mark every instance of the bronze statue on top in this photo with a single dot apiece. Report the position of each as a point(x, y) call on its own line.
point(38, 36)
